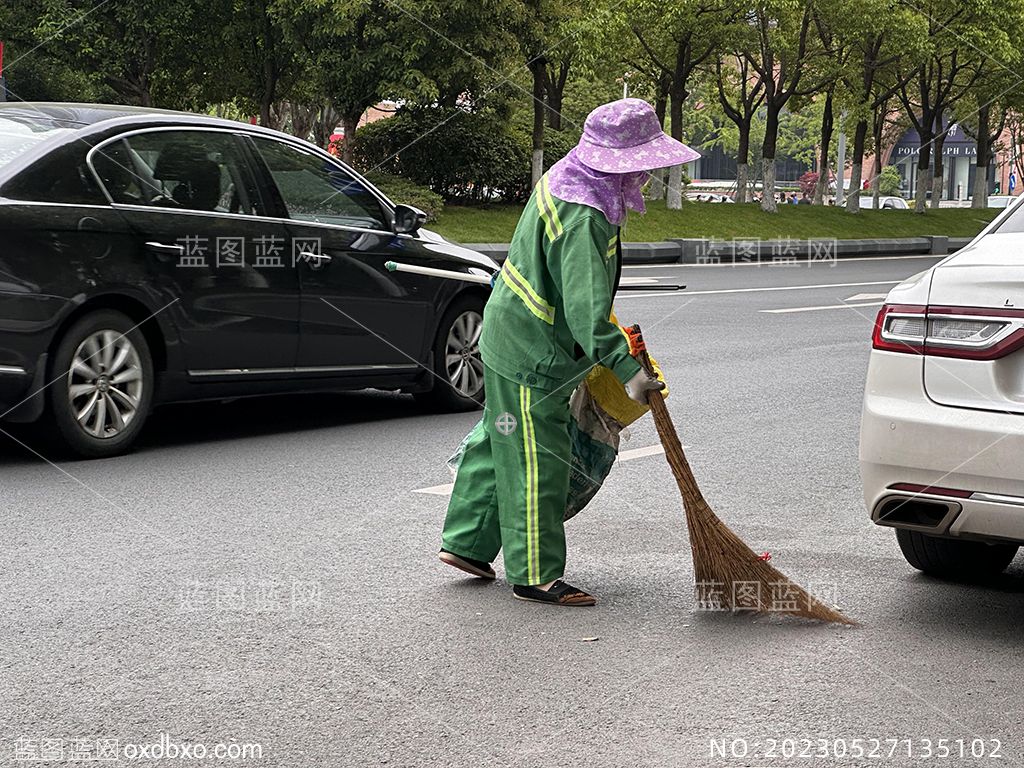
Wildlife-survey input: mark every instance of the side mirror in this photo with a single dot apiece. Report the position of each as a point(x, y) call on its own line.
point(408, 219)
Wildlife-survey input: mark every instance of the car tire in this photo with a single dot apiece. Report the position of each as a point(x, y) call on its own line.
point(102, 383)
point(955, 559)
point(458, 380)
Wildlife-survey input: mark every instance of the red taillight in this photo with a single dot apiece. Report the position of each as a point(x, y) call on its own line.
point(900, 328)
point(971, 333)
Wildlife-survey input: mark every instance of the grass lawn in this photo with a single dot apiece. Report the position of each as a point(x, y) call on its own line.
point(495, 223)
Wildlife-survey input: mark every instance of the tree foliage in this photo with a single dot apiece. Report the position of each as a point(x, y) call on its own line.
point(471, 156)
point(492, 92)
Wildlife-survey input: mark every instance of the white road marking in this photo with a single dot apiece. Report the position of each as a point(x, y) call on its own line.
point(769, 289)
point(766, 263)
point(866, 296)
point(632, 453)
point(437, 490)
point(790, 310)
point(642, 280)
point(638, 453)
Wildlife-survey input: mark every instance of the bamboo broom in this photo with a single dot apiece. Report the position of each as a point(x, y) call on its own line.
point(741, 580)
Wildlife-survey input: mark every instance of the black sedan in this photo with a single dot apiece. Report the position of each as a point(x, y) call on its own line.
point(148, 257)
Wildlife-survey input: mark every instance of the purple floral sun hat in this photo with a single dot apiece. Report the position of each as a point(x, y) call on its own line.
point(625, 136)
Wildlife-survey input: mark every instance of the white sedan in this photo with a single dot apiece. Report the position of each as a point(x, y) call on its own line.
point(1000, 201)
point(942, 430)
point(885, 202)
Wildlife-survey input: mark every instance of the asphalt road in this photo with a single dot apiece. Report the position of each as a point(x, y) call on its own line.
point(265, 572)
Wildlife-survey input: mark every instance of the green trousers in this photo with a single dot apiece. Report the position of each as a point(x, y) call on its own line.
point(512, 484)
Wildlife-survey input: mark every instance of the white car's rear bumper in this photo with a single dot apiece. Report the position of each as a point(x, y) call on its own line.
point(908, 439)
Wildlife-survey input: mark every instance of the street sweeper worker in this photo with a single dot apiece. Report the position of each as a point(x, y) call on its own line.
point(546, 324)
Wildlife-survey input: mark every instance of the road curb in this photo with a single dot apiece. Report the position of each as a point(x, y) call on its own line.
point(696, 250)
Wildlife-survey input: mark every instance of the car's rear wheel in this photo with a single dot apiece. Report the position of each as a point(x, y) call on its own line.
point(102, 389)
point(956, 559)
point(458, 368)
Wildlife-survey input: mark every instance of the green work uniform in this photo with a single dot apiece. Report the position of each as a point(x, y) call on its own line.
point(545, 325)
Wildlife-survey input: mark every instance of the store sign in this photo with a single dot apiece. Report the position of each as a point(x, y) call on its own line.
point(956, 150)
point(955, 143)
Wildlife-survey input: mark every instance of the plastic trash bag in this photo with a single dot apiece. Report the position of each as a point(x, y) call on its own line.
point(599, 410)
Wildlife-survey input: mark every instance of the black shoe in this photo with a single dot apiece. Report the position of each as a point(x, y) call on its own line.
point(476, 567)
point(559, 594)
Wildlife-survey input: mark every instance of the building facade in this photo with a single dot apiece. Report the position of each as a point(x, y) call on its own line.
point(959, 164)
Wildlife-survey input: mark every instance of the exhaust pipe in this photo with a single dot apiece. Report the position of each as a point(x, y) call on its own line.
point(916, 513)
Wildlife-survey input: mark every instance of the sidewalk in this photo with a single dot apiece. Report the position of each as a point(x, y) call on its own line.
point(703, 251)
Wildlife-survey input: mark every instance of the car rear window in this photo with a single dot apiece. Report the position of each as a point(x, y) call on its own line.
point(1012, 223)
point(60, 176)
point(20, 133)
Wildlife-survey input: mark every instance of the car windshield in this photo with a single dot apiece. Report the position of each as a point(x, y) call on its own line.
point(1014, 222)
point(20, 132)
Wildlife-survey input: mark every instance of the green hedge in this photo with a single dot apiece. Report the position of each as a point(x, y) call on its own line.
point(462, 156)
point(457, 154)
point(402, 190)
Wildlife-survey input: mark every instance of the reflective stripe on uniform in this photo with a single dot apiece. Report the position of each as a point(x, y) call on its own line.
point(530, 454)
point(520, 287)
point(546, 206)
point(611, 247)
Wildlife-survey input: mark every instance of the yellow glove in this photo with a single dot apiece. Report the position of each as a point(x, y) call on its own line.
point(611, 395)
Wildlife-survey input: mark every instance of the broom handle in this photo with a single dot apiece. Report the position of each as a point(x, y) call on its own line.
point(667, 431)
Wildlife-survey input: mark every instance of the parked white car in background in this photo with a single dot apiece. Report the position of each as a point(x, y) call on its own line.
point(885, 202)
point(709, 197)
point(942, 429)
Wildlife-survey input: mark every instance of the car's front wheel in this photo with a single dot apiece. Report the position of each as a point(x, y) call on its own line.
point(458, 368)
point(956, 559)
point(102, 385)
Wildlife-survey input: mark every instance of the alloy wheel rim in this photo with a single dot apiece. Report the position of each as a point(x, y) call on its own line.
point(105, 384)
point(463, 363)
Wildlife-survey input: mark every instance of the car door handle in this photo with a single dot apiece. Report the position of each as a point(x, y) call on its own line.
point(166, 249)
point(315, 260)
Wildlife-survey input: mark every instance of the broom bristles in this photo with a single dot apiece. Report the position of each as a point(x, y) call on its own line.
point(732, 576)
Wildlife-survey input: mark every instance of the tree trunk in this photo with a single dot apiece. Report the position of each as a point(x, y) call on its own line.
point(771, 135)
point(876, 172)
point(742, 182)
point(145, 95)
point(555, 111)
point(656, 190)
point(303, 117)
point(743, 164)
point(266, 119)
point(936, 181)
point(852, 197)
point(536, 165)
point(674, 195)
point(325, 123)
point(537, 66)
point(876, 180)
point(660, 105)
point(554, 91)
point(768, 185)
point(860, 135)
point(979, 197)
point(269, 92)
point(923, 171)
point(827, 124)
point(924, 182)
point(349, 123)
